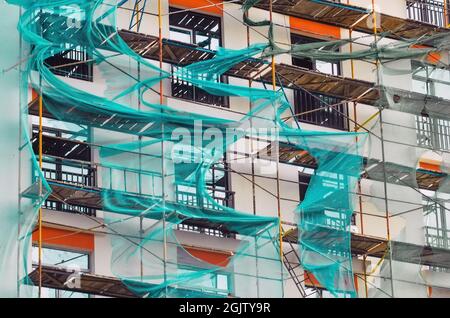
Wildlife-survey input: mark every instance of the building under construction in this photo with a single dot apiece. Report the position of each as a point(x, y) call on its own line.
point(208, 148)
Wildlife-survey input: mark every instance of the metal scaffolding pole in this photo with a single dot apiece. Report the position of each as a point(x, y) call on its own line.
point(274, 86)
point(383, 156)
point(355, 118)
point(163, 170)
point(253, 180)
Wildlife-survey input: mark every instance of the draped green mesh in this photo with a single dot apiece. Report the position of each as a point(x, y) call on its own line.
point(151, 166)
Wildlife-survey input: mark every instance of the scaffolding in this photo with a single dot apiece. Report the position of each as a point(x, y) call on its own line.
point(316, 252)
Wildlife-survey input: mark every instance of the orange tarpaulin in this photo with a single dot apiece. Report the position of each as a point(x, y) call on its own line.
point(65, 238)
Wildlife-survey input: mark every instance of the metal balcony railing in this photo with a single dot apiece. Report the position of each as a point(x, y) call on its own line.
point(437, 237)
point(185, 90)
point(85, 179)
point(428, 11)
point(338, 222)
point(320, 110)
point(84, 175)
point(433, 133)
point(188, 196)
point(204, 230)
point(118, 178)
point(73, 63)
point(63, 207)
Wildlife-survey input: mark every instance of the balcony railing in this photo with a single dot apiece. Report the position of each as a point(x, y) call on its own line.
point(437, 237)
point(188, 196)
point(64, 207)
point(185, 90)
point(85, 179)
point(428, 11)
point(73, 63)
point(84, 175)
point(433, 133)
point(331, 219)
point(320, 110)
point(204, 230)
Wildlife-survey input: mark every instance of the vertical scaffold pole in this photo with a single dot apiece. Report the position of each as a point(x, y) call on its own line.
point(40, 192)
point(383, 156)
point(355, 118)
point(163, 174)
point(141, 218)
point(274, 85)
point(253, 180)
point(446, 22)
point(40, 111)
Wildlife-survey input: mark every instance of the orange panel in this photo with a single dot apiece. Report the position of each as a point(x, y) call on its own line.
point(210, 257)
point(298, 24)
point(34, 94)
point(430, 166)
point(355, 279)
point(65, 238)
point(433, 57)
point(198, 4)
point(311, 281)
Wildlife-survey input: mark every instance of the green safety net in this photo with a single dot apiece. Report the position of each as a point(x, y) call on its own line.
point(156, 161)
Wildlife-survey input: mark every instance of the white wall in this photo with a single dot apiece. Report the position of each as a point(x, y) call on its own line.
point(9, 159)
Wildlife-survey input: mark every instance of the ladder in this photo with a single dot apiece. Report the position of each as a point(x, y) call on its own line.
point(298, 278)
point(138, 13)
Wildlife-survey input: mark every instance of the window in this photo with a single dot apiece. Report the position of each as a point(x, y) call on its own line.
point(332, 68)
point(316, 108)
point(185, 90)
point(217, 186)
point(428, 11)
point(216, 282)
point(195, 28)
point(72, 63)
point(204, 31)
point(303, 181)
point(77, 260)
point(62, 258)
point(319, 109)
point(433, 133)
point(64, 152)
point(329, 217)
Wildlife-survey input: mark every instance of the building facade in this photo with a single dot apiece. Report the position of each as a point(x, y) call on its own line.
point(120, 218)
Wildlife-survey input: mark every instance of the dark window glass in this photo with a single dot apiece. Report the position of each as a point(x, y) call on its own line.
point(73, 63)
point(204, 31)
point(315, 108)
point(332, 68)
point(320, 110)
point(66, 160)
point(75, 260)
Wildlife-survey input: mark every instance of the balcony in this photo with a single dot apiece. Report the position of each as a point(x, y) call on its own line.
point(433, 133)
point(319, 109)
point(437, 237)
point(72, 63)
point(185, 90)
point(428, 11)
point(188, 195)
